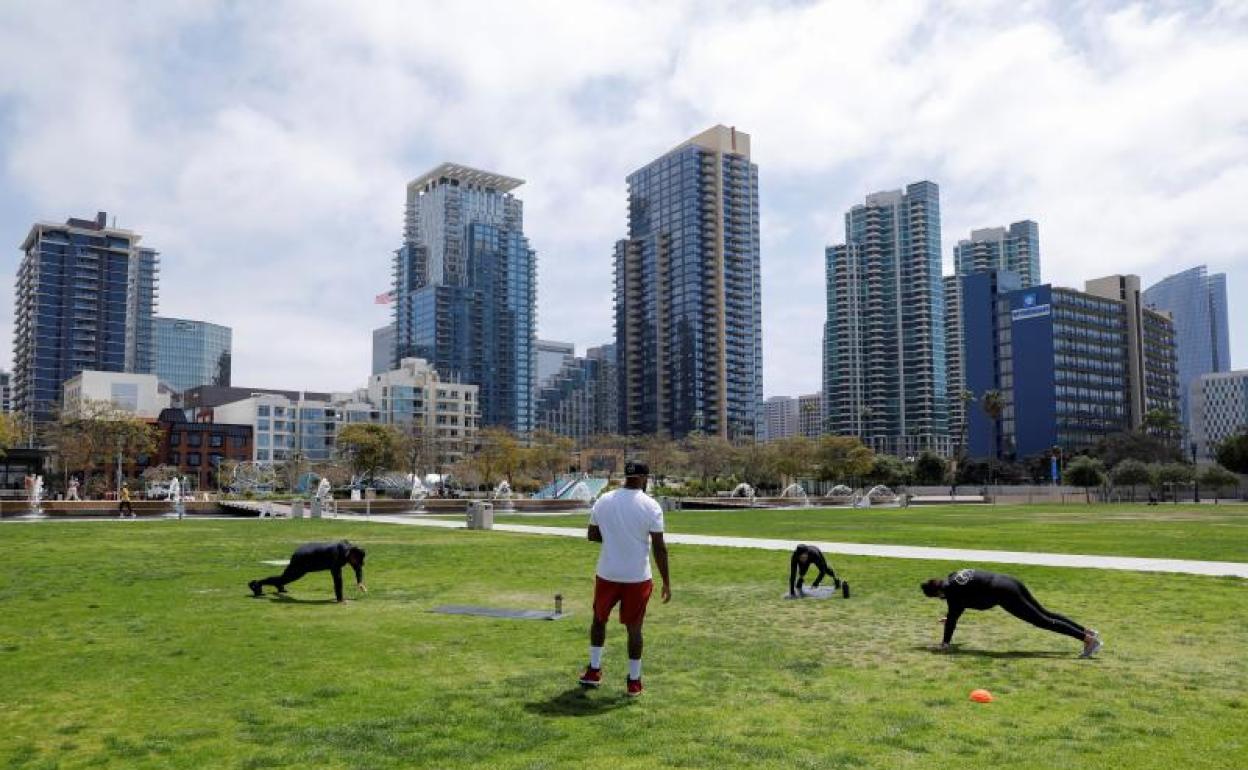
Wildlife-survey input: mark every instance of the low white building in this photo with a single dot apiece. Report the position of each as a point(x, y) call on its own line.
point(1219, 404)
point(283, 427)
point(139, 395)
point(414, 398)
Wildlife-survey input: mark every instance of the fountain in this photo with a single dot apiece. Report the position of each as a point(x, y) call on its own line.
point(878, 495)
point(580, 491)
point(34, 497)
point(175, 494)
point(417, 494)
point(796, 492)
point(324, 494)
point(840, 490)
point(743, 490)
point(502, 497)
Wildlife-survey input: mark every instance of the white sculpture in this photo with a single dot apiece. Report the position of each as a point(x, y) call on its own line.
point(418, 491)
point(502, 491)
point(175, 489)
point(36, 492)
point(323, 489)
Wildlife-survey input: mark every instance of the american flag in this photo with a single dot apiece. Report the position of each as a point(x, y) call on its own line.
point(385, 298)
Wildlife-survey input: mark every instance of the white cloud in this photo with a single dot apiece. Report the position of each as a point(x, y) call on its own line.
point(263, 148)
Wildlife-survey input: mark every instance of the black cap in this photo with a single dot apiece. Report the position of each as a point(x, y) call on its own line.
point(636, 469)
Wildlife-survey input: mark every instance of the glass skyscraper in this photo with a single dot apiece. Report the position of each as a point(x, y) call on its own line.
point(884, 364)
point(688, 298)
point(86, 295)
point(1016, 248)
point(192, 353)
point(465, 289)
point(1197, 303)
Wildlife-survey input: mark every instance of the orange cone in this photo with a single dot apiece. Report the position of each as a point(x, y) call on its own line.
point(981, 696)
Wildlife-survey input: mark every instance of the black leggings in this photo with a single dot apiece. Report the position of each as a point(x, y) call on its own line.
point(293, 572)
point(1015, 599)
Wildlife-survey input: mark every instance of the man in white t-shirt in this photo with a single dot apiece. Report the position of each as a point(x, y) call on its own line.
point(628, 523)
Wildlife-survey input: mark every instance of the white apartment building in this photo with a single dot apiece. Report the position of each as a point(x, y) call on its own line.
point(139, 395)
point(283, 426)
point(414, 398)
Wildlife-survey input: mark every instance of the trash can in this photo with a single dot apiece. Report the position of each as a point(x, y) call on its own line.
point(316, 507)
point(480, 515)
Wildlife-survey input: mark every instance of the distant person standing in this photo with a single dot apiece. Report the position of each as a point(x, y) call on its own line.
point(629, 524)
point(125, 506)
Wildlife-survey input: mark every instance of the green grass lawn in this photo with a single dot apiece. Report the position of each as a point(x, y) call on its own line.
point(136, 645)
point(1216, 533)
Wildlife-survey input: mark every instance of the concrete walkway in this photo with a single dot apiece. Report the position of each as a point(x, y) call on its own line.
point(961, 555)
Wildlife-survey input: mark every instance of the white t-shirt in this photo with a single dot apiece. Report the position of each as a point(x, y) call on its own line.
point(626, 517)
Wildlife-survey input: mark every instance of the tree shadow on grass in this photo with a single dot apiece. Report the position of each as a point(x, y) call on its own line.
point(577, 702)
point(1000, 654)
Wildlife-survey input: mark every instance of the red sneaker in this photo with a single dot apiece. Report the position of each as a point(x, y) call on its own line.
point(592, 677)
point(634, 688)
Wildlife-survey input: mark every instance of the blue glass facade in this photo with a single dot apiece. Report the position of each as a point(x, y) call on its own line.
point(1061, 360)
point(688, 298)
point(1197, 303)
point(85, 297)
point(192, 353)
point(884, 363)
point(465, 289)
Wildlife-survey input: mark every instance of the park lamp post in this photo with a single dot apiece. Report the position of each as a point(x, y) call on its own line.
point(1196, 477)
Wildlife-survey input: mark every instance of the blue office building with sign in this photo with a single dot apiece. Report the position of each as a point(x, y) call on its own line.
point(1071, 366)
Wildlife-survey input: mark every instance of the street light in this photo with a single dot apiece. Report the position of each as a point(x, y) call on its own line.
point(1196, 477)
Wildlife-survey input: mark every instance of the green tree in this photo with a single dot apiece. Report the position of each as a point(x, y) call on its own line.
point(11, 431)
point(709, 456)
point(550, 454)
point(1086, 472)
point(1163, 424)
point(1133, 445)
point(96, 435)
point(890, 471)
point(841, 458)
point(369, 448)
point(1130, 473)
point(930, 468)
point(1233, 453)
point(499, 455)
point(664, 456)
point(1218, 479)
point(794, 458)
point(754, 462)
point(1172, 476)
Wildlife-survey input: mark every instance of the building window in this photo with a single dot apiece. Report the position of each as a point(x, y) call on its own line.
point(262, 410)
point(192, 459)
point(175, 458)
point(175, 439)
point(216, 440)
point(238, 442)
point(194, 439)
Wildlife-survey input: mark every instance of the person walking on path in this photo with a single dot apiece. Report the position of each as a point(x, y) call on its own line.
point(125, 506)
point(317, 557)
point(977, 589)
point(629, 524)
point(804, 556)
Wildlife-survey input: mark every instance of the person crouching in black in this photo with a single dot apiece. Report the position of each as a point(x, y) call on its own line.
point(316, 557)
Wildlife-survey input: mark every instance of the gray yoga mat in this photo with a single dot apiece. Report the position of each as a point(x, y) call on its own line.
point(497, 612)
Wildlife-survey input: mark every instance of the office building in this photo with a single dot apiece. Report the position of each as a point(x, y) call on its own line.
point(465, 289)
point(383, 349)
point(1070, 367)
point(134, 395)
point(85, 298)
point(1219, 402)
point(1015, 248)
point(192, 353)
point(414, 399)
point(781, 418)
point(884, 358)
point(197, 447)
point(579, 400)
point(1196, 301)
point(688, 298)
point(549, 357)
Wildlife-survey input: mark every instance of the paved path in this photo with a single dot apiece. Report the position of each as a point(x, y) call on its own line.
point(1130, 563)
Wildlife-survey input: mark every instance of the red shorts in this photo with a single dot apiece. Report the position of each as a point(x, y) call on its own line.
point(632, 598)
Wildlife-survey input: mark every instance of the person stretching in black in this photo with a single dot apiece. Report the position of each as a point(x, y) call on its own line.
point(315, 557)
point(977, 589)
point(803, 557)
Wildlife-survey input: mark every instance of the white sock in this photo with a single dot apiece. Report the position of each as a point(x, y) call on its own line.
point(634, 669)
point(595, 657)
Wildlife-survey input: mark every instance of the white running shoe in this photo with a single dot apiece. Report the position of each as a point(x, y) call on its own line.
point(1092, 646)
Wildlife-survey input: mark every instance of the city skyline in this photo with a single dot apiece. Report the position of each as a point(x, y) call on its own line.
point(274, 195)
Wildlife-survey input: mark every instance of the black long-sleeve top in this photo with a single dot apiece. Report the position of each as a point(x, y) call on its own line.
point(972, 589)
point(315, 557)
point(814, 559)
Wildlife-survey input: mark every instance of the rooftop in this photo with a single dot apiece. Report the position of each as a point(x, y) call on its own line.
point(466, 175)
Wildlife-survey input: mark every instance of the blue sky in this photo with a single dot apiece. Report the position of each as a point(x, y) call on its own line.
point(263, 148)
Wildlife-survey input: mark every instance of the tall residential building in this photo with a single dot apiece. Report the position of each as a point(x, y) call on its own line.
point(6, 392)
point(383, 349)
point(1219, 402)
point(192, 353)
point(688, 297)
point(1070, 366)
point(465, 289)
point(1197, 303)
point(884, 365)
point(86, 294)
point(810, 415)
point(1016, 248)
point(956, 388)
point(781, 418)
